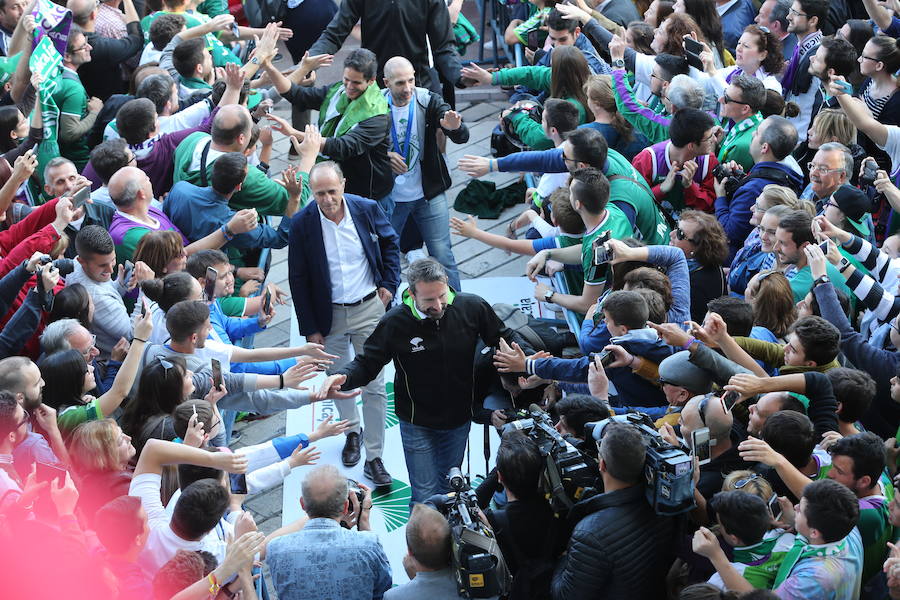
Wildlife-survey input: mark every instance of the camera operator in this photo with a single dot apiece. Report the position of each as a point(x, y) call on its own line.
point(772, 142)
point(525, 527)
point(573, 412)
point(427, 561)
point(620, 545)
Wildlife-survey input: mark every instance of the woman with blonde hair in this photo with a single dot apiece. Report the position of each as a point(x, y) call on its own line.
point(619, 133)
point(831, 125)
point(756, 254)
point(100, 453)
point(770, 294)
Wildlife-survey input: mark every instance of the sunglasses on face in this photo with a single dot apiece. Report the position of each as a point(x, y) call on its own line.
point(682, 236)
point(729, 100)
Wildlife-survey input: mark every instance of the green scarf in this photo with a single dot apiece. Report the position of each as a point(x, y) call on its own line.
point(408, 301)
point(800, 550)
point(757, 553)
point(752, 121)
point(340, 113)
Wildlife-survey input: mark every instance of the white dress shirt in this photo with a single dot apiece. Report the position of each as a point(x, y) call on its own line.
point(351, 278)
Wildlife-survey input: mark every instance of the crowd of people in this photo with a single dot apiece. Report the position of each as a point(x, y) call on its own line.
point(714, 204)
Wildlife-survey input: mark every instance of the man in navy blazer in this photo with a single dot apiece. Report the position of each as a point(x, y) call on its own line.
point(344, 269)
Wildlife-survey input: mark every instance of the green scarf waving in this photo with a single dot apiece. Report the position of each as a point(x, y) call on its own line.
point(339, 113)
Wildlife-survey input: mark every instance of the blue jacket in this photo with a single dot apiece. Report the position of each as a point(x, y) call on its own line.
point(883, 415)
point(735, 19)
point(632, 389)
point(232, 329)
point(734, 215)
point(308, 271)
point(198, 211)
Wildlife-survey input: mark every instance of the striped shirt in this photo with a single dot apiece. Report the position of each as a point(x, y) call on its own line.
point(876, 291)
point(876, 105)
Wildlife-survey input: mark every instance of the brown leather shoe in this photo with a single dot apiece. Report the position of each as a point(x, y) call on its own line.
point(350, 455)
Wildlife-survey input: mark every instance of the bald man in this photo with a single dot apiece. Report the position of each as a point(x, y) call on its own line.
point(324, 560)
point(427, 561)
point(421, 174)
point(131, 192)
point(707, 411)
point(230, 132)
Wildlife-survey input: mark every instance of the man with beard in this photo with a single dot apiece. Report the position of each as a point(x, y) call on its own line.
point(793, 235)
point(22, 378)
point(431, 337)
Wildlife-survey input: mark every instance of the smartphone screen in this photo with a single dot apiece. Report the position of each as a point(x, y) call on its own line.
point(700, 445)
point(212, 276)
point(216, 372)
point(80, 197)
point(267, 301)
point(143, 309)
point(50, 473)
point(775, 507)
point(238, 482)
point(129, 269)
point(729, 399)
point(601, 256)
point(692, 50)
point(607, 358)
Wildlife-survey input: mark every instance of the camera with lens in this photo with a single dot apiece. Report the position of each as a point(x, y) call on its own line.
point(668, 471)
point(568, 473)
point(479, 567)
point(730, 178)
point(870, 172)
point(353, 486)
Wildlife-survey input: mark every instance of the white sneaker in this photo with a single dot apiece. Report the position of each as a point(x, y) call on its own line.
point(414, 255)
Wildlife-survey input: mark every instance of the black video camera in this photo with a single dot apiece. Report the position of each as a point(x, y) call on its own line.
point(568, 472)
point(668, 470)
point(479, 567)
point(730, 178)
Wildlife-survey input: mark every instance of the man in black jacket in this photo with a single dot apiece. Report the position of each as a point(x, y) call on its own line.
point(431, 337)
point(398, 28)
point(620, 548)
point(353, 121)
point(422, 177)
point(102, 76)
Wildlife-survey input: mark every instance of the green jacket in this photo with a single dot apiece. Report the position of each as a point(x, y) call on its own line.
point(736, 145)
point(648, 219)
point(536, 78)
point(772, 354)
point(258, 191)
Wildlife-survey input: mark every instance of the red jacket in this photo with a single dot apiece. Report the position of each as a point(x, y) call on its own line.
point(34, 233)
point(700, 195)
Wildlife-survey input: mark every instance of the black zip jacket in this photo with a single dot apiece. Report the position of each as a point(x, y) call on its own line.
point(434, 360)
point(397, 28)
point(430, 109)
point(361, 152)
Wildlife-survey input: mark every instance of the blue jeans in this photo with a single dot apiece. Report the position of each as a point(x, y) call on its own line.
point(430, 454)
point(433, 218)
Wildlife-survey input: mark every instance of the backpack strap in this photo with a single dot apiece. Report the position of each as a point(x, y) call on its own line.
point(203, 155)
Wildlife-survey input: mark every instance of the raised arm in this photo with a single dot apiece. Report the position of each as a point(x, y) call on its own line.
point(124, 380)
point(878, 13)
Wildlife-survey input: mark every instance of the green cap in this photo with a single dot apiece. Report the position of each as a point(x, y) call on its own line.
point(8, 66)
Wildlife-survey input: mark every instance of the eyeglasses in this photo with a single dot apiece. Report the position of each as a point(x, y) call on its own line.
point(832, 205)
point(813, 168)
point(132, 160)
point(796, 13)
point(864, 57)
point(27, 418)
point(654, 75)
point(79, 49)
point(729, 100)
point(894, 326)
point(87, 353)
point(702, 408)
point(681, 235)
point(566, 159)
point(762, 230)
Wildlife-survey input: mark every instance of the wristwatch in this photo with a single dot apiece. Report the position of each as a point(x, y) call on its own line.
point(254, 61)
point(548, 296)
point(618, 63)
point(844, 264)
point(823, 279)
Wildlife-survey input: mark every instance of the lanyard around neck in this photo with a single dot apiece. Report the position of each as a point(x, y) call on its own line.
point(409, 127)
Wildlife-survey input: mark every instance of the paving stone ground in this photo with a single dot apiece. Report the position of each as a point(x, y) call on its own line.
point(479, 109)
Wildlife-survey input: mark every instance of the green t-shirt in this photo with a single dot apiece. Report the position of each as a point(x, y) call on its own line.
point(626, 184)
point(802, 282)
point(617, 224)
point(221, 54)
point(72, 416)
point(72, 99)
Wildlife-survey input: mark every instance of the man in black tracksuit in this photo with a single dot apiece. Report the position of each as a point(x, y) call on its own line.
point(431, 337)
